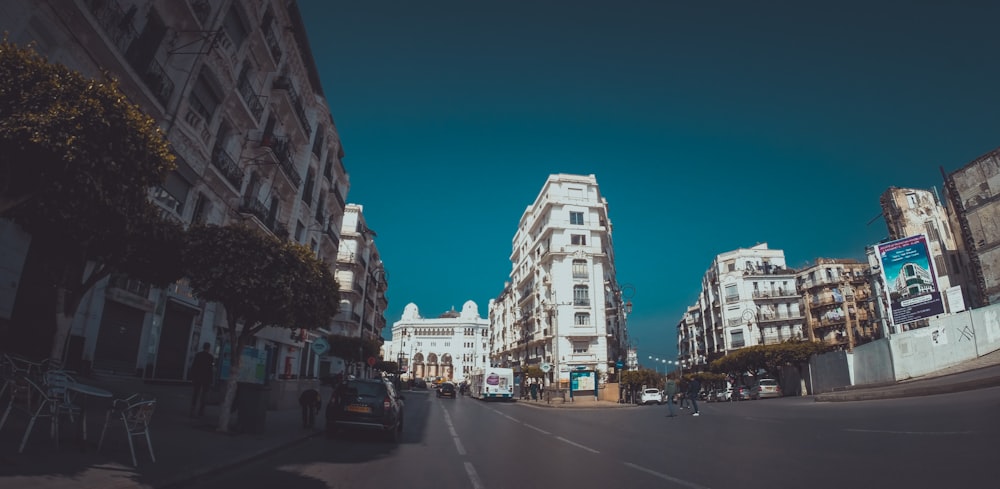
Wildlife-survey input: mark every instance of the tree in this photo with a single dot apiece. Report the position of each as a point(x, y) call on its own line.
point(260, 281)
point(77, 162)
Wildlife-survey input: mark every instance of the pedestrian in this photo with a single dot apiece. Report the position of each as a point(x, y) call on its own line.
point(201, 378)
point(685, 403)
point(310, 402)
point(534, 390)
point(670, 389)
point(693, 388)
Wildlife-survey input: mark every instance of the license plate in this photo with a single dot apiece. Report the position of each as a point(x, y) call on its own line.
point(358, 409)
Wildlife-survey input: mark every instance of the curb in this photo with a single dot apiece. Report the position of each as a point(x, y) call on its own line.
point(904, 391)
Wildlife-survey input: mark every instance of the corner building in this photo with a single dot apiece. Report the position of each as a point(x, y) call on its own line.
point(562, 309)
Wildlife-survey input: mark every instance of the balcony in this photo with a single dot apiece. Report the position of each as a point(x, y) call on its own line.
point(345, 257)
point(227, 167)
point(329, 233)
point(117, 23)
point(284, 84)
point(776, 318)
point(250, 98)
point(253, 207)
point(774, 294)
point(281, 148)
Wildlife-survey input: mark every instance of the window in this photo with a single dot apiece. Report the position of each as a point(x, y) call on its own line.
point(576, 218)
point(582, 319)
point(234, 27)
point(581, 347)
point(732, 293)
point(200, 209)
point(204, 99)
point(581, 295)
point(578, 239)
point(736, 338)
point(579, 268)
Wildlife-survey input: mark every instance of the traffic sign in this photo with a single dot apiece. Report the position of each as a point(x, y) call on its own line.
point(619, 365)
point(371, 361)
point(546, 367)
point(320, 346)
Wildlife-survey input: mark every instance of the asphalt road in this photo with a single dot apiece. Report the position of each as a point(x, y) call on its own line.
point(934, 442)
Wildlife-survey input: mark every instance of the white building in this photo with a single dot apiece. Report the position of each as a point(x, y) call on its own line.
point(451, 345)
point(563, 309)
point(748, 297)
point(235, 89)
point(363, 282)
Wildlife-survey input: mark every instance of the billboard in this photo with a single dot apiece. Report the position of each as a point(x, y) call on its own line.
point(910, 280)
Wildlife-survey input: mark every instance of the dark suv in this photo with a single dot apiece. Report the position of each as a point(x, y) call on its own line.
point(365, 404)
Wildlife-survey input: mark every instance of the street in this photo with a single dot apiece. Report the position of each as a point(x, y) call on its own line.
point(934, 441)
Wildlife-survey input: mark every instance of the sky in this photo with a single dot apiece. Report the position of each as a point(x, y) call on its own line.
point(710, 126)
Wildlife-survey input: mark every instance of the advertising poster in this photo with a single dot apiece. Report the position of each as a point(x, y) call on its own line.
point(252, 365)
point(910, 280)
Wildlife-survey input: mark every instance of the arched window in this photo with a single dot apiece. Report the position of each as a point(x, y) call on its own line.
point(579, 268)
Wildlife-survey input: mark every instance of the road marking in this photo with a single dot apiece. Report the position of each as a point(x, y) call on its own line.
point(537, 429)
point(891, 432)
point(458, 446)
point(473, 476)
point(591, 450)
point(666, 477)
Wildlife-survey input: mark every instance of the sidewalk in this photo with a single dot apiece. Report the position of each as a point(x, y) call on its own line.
point(185, 448)
point(980, 373)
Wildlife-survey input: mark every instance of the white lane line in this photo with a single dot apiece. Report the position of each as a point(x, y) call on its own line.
point(890, 432)
point(473, 476)
point(458, 446)
point(512, 418)
point(666, 477)
point(537, 429)
point(591, 450)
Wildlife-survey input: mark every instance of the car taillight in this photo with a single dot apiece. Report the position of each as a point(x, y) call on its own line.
point(386, 403)
point(777, 388)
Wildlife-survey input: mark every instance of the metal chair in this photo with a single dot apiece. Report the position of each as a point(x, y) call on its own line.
point(38, 401)
point(135, 414)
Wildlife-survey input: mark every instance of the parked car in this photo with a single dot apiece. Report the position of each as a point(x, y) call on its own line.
point(765, 388)
point(365, 404)
point(447, 389)
point(744, 393)
point(651, 395)
point(723, 395)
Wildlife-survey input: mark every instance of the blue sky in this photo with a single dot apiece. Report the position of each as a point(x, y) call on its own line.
point(710, 126)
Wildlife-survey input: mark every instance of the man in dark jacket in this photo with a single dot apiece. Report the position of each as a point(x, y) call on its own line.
point(694, 388)
point(201, 378)
point(310, 402)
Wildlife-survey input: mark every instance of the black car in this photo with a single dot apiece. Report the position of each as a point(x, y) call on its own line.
point(365, 404)
point(447, 389)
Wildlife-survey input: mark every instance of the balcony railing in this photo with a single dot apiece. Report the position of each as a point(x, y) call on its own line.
point(250, 97)
point(227, 166)
point(123, 282)
point(117, 24)
point(272, 44)
point(254, 207)
point(282, 149)
point(345, 257)
point(157, 80)
point(284, 83)
point(332, 235)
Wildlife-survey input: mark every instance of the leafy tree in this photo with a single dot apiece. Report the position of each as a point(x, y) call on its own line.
point(532, 372)
point(261, 281)
point(77, 161)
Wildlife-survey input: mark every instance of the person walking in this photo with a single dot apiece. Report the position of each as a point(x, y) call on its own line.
point(684, 402)
point(201, 378)
point(310, 402)
point(694, 387)
point(670, 389)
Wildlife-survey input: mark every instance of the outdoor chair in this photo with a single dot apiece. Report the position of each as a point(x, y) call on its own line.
point(39, 401)
point(135, 414)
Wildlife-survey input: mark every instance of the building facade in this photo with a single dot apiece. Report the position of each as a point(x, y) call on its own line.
point(363, 284)
point(449, 346)
point(837, 296)
point(971, 195)
point(563, 309)
point(909, 212)
point(748, 297)
point(236, 91)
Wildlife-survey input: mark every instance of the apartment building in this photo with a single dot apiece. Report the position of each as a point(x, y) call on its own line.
point(909, 212)
point(236, 91)
point(748, 297)
point(837, 296)
point(974, 213)
point(563, 309)
point(363, 281)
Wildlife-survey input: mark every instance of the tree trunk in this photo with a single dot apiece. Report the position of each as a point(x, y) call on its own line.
point(235, 359)
point(66, 304)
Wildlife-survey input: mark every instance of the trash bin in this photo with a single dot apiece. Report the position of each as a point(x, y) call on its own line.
point(251, 407)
